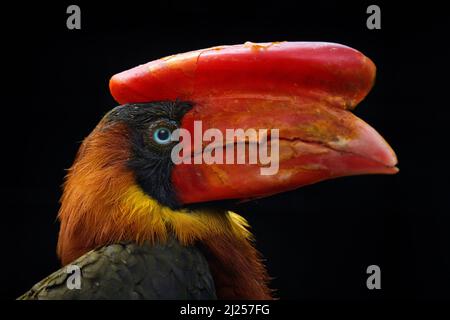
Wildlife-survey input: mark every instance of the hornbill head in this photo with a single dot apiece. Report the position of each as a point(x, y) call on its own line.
point(125, 184)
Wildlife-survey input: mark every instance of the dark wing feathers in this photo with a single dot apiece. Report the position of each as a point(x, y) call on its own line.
point(131, 271)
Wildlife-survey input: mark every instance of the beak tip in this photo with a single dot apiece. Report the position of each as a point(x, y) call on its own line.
point(372, 145)
point(387, 157)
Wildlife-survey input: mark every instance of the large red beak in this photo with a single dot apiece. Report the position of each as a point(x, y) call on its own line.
point(302, 89)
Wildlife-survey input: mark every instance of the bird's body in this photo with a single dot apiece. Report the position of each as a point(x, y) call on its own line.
point(223, 264)
point(128, 219)
point(131, 271)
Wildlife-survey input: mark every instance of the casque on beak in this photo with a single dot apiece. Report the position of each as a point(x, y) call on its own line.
point(305, 90)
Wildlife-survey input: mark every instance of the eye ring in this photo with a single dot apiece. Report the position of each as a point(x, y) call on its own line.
point(162, 135)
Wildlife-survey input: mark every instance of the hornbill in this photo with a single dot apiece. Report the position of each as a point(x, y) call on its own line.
point(139, 226)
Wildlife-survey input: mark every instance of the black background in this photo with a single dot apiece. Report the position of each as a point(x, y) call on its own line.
point(318, 240)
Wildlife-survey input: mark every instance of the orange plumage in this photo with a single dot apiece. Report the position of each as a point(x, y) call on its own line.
point(102, 204)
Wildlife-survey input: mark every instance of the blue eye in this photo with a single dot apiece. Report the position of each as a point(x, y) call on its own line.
point(162, 135)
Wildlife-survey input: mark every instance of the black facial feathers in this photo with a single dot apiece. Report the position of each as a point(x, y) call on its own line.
point(150, 161)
